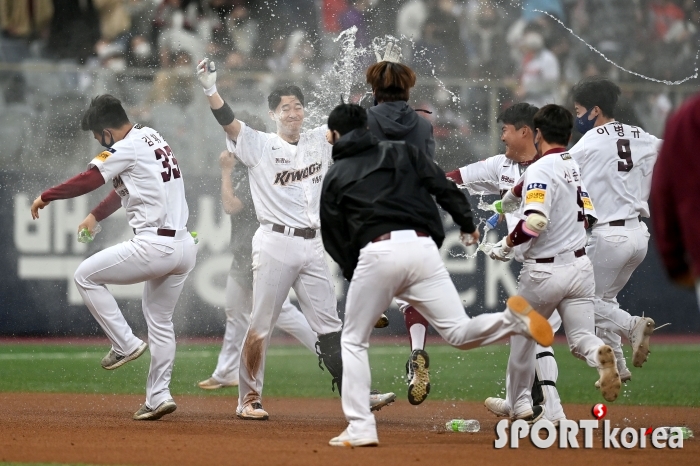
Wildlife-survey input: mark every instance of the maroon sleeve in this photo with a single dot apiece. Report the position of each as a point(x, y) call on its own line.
point(108, 206)
point(80, 184)
point(674, 197)
point(518, 189)
point(455, 176)
point(520, 234)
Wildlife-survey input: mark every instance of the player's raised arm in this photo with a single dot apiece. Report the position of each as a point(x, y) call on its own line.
point(206, 73)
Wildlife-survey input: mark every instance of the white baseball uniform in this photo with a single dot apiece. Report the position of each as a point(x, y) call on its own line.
point(556, 274)
point(239, 292)
point(497, 175)
point(285, 182)
point(616, 163)
point(162, 253)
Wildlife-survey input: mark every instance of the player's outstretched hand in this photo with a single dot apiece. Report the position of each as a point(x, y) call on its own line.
point(38, 204)
point(468, 239)
point(501, 251)
point(392, 53)
point(90, 222)
point(227, 161)
point(206, 73)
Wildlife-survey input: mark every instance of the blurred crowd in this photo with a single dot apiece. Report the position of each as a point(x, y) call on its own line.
point(525, 45)
point(520, 40)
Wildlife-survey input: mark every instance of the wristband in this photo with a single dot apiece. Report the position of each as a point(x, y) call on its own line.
point(210, 91)
point(224, 115)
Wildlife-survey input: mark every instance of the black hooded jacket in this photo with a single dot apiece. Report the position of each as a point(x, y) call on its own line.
point(396, 121)
point(375, 187)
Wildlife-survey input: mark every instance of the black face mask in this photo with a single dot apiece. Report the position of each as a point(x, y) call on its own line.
point(103, 142)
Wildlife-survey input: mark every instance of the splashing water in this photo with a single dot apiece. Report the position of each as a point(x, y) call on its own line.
point(338, 81)
point(348, 71)
point(648, 78)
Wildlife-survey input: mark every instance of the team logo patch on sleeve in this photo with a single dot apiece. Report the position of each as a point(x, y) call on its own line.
point(535, 192)
point(587, 204)
point(102, 156)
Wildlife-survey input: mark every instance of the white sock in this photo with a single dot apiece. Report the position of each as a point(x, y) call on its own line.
point(417, 332)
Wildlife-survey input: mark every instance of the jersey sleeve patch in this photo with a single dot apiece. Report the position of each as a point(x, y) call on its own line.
point(535, 192)
point(587, 204)
point(102, 156)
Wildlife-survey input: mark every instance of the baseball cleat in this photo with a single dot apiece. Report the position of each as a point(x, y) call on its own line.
point(497, 406)
point(536, 326)
point(114, 360)
point(147, 414)
point(625, 376)
point(344, 440)
point(378, 400)
point(609, 380)
point(383, 322)
point(253, 412)
point(419, 385)
point(639, 339)
point(212, 384)
point(531, 416)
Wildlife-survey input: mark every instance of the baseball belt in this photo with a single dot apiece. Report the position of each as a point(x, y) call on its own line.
point(306, 233)
point(549, 260)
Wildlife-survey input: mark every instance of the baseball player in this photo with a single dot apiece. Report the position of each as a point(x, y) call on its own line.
point(392, 119)
point(556, 272)
point(149, 184)
point(286, 171)
point(616, 163)
point(239, 283)
point(497, 175)
point(381, 225)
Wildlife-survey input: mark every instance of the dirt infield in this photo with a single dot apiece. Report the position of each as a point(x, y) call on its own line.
point(98, 429)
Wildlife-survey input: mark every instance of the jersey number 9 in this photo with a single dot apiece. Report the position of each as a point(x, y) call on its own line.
point(625, 153)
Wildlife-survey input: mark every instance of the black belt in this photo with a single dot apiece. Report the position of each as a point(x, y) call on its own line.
point(387, 236)
point(619, 223)
point(549, 260)
point(162, 232)
point(306, 233)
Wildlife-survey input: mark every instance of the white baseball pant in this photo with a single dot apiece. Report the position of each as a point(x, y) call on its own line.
point(615, 253)
point(547, 372)
point(409, 267)
point(239, 302)
point(280, 262)
point(163, 263)
point(566, 285)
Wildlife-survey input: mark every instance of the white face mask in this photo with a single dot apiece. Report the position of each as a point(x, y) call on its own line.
point(142, 50)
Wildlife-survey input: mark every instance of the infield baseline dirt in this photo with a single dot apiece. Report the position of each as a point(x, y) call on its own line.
point(204, 431)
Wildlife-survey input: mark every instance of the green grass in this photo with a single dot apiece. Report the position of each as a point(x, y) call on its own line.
point(671, 377)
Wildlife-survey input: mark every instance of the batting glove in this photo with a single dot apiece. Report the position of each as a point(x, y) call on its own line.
point(206, 73)
point(468, 239)
point(501, 251)
point(392, 53)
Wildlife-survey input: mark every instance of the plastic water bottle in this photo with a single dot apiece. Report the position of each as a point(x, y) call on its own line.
point(194, 237)
point(491, 223)
point(462, 425)
point(84, 235)
point(687, 433)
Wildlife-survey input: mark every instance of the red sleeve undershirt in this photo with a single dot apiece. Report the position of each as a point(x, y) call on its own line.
point(107, 207)
point(455, 176)
point(80, 184)
point(519, 235)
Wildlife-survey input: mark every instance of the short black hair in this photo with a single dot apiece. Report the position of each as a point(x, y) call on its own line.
point(597, 91)
point(275, 97)
point(105, 111)
point(519, 115)
point(347, 117)
point(555, 123)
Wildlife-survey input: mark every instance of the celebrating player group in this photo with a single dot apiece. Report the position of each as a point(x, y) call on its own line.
point(365, 188)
